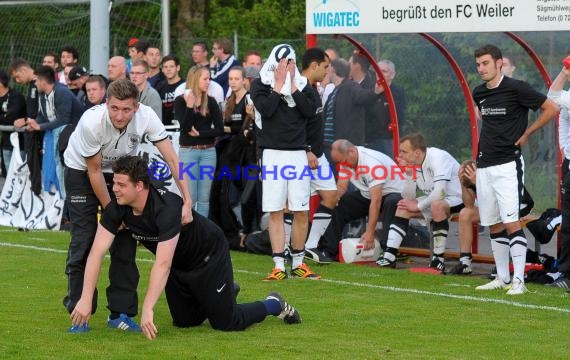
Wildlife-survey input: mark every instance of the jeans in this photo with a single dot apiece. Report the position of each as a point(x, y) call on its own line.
point(352, 206)
point(59, 166)
point(202, 175)
point(123, 273)
point(7, 156)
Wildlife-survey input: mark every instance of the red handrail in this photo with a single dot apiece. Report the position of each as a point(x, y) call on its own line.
point(464, 87)
point(393, 125)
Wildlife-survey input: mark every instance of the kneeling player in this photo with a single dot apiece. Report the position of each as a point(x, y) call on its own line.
point(192, 261)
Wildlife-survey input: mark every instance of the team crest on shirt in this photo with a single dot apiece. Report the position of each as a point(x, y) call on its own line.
point(134, 140)
point(490, 111)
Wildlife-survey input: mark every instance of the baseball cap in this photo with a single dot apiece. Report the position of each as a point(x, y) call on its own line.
point(132, 41)
point(77, 72)
point(251, 72)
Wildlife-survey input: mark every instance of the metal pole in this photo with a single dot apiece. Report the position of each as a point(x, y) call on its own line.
point(165, 27)
point(99, 36)
point(236, 45)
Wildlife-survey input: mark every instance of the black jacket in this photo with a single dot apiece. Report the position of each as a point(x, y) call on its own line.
point(350, 106)
point(283, 127)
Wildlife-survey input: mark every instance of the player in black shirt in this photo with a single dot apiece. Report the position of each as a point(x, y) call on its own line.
point(192, 261)
point(504, 103)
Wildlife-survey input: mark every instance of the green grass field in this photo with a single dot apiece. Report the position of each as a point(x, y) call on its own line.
point(355, 312)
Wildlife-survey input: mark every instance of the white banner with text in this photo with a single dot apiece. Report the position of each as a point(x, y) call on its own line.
point(19, 206)
point(415, 16)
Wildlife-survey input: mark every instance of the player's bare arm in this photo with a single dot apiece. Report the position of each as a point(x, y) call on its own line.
point(373, 214)
point(167, 150)
point(97, 180)
point(549, 111)
point(158, 278)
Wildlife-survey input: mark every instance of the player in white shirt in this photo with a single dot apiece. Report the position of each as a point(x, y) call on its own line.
point(436, 176)
point(379, 188)
point(562, 98)
point(105, 133)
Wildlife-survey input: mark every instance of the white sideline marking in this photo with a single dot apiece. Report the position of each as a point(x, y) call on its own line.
point(356, 284)
point(458, 285)
point(59, 251)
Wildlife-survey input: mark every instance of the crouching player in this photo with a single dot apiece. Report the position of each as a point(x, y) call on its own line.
point(437, 178)
point(192, 261)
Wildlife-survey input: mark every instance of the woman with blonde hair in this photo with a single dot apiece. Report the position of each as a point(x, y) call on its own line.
point(200, 123)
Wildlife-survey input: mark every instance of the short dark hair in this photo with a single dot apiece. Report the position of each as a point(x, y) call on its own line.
point(70, 49)
point(135, 167)
point(416, 140)
point(341, 67)
point(53, 55)
point(250, 53)
point(4, 78)
point(142, 46)
point(358, 58)
point(488, 49)
point(312, 54)
point(123, 89)
point(18, 63)
point(171, 58)
point(201, 44)
point(151, 46)
point(46, 73)
point(98, 79)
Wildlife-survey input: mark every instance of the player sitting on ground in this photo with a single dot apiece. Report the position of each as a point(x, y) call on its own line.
point(436, 176)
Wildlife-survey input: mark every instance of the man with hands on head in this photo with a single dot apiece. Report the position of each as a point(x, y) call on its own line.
point(285, 101)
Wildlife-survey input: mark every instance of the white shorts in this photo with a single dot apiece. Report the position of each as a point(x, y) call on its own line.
point(455, 204)
point(284, 177)
point(499, 190)
point(323, 177)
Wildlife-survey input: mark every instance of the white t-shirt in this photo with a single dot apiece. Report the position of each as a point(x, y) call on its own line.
point(376, 168)
point(439, 165)
point(562, 98)
point(61, 77)
point(95, 133)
